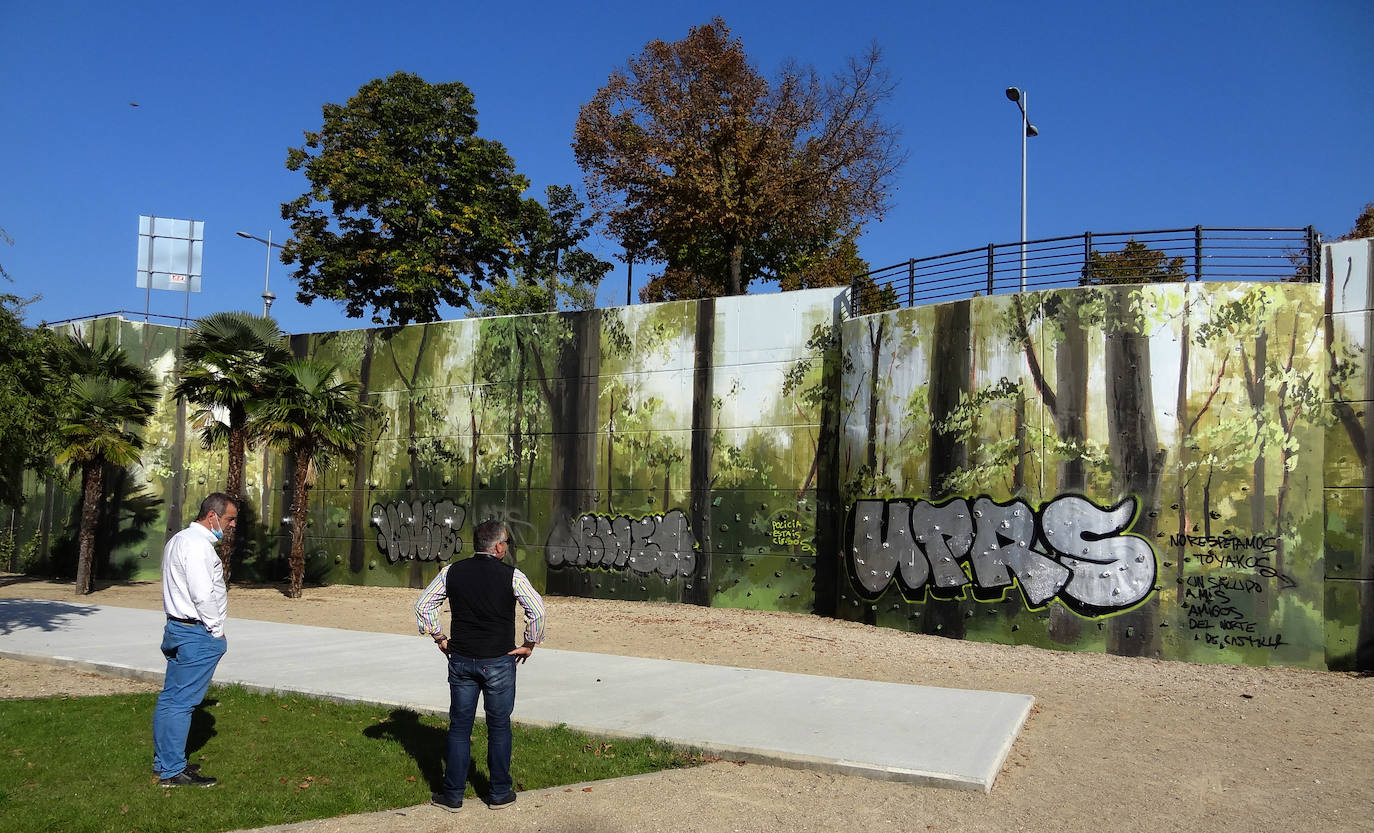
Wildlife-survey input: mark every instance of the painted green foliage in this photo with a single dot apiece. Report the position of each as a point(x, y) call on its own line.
point(1228, 419)
point(761, 420)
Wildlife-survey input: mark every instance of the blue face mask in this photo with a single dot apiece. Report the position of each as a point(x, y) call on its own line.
point(218, 533)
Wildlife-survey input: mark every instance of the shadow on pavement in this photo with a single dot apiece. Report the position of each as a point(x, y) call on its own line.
point(22, 614)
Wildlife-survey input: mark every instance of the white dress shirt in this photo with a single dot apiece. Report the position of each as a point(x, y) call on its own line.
point(193, 579)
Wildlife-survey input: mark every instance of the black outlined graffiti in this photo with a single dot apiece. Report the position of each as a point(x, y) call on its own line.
point(661, 544)
point(1071, 549)
point(420, 530)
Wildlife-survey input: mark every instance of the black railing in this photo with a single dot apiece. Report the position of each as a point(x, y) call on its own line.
point(1094, 258)
point(128, 315)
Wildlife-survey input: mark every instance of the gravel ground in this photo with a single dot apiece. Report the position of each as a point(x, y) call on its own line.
point(1112, 744)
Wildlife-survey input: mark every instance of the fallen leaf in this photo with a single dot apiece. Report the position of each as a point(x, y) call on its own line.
point(123, 809)
point(411, 779)
point(263, 719)
point(586, 789)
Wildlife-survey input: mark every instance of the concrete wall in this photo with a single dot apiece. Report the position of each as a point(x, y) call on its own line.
point(1171, 470)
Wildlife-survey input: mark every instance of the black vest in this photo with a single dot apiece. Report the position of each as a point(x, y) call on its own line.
point(483, 604)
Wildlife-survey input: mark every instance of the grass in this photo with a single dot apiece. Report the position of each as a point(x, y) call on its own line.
point(85, 764)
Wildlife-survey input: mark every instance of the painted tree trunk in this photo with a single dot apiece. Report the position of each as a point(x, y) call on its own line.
point(950, 367)
point(572, 407)
point(1136, 457)
point(92, 475)
point(703, 428)
point(359, 513)
point(1070, 413)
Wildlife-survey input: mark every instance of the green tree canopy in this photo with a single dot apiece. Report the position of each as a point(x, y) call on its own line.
point(700, 163)
point(30, 393)
point(407, 208)
point(1133, 263)
point(553, 271)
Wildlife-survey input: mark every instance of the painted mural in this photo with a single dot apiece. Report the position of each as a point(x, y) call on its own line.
point(1173, 469)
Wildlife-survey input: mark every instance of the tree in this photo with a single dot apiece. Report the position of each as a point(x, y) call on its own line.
point(228, 359)
point(30, 394)
point(699, 162)
point(1364, 225)
point(407, 208)
point(312, 416)
point(553, 271)
point(1134, 263)
point(108, 400)
point(5, 238)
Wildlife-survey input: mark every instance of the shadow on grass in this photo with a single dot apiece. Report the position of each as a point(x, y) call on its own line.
point(202, 727)
point(427, 745)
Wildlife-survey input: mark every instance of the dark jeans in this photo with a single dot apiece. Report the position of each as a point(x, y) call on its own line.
point(495, 679)
point(192, 654)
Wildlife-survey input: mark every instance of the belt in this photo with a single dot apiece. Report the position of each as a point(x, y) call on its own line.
point(185, 621)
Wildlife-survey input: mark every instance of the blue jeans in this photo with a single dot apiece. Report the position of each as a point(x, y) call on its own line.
point(495, 679)
point(192, 654)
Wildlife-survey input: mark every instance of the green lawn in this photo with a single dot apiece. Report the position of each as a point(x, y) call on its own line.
point(85, 764)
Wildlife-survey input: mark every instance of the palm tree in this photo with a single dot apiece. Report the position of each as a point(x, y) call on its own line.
point(312, 416)
point(108, 400)
point(226, 362)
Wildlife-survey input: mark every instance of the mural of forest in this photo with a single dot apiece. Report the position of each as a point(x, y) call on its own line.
point(1174, 469)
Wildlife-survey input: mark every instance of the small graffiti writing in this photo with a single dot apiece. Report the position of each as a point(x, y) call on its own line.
point(420, 530)
point(1072, 549)
point(787, 532)
point(661, 544)
point(1218, 605)
point(1266, 543)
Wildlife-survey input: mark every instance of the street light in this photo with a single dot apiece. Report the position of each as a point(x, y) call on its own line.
point(1019, 97)
point(267, 296)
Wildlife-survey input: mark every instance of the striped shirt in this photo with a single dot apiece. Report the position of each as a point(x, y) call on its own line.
point(432, 599)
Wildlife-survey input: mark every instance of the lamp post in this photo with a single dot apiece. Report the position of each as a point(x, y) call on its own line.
point(1019, 97)
point(267, 296)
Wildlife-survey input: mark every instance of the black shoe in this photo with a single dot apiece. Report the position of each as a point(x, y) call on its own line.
point(438, 800)
point(497, 804)
point(187, 778)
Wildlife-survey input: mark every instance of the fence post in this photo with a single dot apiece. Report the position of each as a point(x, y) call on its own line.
point(991, 257)
point(911, 282)
point(1314, 256)
point(1087, 259)
point(1197, 253)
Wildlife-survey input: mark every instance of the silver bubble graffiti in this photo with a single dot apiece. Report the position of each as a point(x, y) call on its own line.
point(420, 530)
point(661, 544)
point(1072, 549)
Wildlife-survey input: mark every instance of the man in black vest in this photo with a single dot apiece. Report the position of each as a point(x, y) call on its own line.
point(482, 592)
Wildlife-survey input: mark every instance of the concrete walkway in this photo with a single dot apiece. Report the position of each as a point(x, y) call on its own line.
point(919, 734)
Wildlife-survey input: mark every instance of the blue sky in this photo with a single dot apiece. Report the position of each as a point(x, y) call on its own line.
point(1158, 115)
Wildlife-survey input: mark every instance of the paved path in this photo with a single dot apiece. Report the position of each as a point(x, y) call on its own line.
point(934, 736)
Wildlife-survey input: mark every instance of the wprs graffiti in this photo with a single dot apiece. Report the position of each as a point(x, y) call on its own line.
point(420, 530)
point(661, 544)
point(1071, 548)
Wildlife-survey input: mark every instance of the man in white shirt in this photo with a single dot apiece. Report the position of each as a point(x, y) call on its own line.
point(194, 598)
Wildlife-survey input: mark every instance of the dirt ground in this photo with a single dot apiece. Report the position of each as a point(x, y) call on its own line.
point(1113, 743)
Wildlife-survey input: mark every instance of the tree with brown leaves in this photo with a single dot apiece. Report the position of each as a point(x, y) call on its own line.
point(700, 163)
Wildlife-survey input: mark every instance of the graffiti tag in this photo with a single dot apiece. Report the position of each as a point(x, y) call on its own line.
point(1071, 548)
point(661, 544)
point(420, 530)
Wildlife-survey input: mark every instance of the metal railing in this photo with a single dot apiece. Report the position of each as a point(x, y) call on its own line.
point(128, 315)
point(1094, 258)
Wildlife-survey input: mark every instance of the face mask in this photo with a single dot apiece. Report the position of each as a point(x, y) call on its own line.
point(218, 533)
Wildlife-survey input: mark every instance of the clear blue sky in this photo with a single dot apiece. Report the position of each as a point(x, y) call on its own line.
point(1157, 115)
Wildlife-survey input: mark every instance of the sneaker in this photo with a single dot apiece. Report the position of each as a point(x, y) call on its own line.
point(499, 803)
point(187, 778)
point(438, 800)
